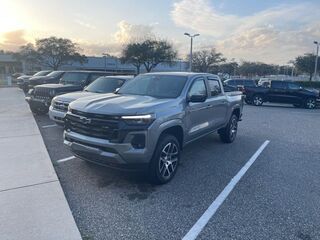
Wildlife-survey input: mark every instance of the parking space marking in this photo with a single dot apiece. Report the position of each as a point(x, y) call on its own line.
point(208, 214)
point(66, 159)
point(50, 126)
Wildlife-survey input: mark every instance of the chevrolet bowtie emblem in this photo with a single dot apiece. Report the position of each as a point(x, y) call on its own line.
point(85, 120)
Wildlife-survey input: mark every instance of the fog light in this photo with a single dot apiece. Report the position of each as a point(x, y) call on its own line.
point(138, 141)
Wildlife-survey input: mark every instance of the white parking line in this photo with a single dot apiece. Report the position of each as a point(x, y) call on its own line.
point(65, 159)
point(208, 214)
point(50, 126)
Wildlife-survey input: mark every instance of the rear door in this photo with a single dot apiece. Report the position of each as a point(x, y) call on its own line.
point(197, 113)
point(217, 103)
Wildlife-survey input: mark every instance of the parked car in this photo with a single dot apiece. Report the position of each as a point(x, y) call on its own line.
point(283, 92)
point(40, 97)
point(240, 84)
point(146, 124)
point(53, 77)
point(109, 84)
point(23, 81)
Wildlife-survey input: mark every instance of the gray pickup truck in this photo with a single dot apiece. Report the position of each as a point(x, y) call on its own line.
point(146, 124)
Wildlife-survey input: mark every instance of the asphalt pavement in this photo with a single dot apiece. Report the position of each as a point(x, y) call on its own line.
point(277, 198)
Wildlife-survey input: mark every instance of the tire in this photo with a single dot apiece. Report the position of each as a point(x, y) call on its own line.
point(257, 100)
point(228, 134)
point(162, 169)
point(310, 103)
point(39, 111)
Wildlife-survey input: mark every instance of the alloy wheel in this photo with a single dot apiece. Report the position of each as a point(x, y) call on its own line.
point(257, 100)
point(168, 160)
point(233, 128)
point(311, 103)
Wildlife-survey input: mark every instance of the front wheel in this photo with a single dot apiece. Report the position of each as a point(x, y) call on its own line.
point(310, 103)
point(228, 134)
point(257, 100)
point(39, 111)
point(165, 160)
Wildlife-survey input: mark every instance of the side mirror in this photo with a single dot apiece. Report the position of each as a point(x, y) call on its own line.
point(197, 98)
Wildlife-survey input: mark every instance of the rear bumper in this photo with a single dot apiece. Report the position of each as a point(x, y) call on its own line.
point(103, 152)
point(56, 115)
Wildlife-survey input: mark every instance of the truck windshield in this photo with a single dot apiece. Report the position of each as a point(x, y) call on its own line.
point(41, 73)
point(75, 78)
point(158, 86)
point(105, 85)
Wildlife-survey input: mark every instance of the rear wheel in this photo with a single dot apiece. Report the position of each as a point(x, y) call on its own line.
point(310, 103)
point(228, 134)
point(257, 100)
point(165, 160)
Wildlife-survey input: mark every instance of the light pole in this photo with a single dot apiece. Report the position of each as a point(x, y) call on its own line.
point(191, 38)
point(105, 60)
point(316, 64)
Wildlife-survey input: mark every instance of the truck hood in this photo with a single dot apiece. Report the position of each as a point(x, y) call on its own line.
point(60, 87)
point(70, 97)
point(114, 104)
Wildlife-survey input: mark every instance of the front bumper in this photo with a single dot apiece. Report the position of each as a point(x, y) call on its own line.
point(56, 115)
point(103, 152)
point(38, 103)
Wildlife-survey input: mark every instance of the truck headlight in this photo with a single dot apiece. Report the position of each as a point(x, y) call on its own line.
point(139, 119)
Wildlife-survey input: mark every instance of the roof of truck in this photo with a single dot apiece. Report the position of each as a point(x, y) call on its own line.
point(186, 74)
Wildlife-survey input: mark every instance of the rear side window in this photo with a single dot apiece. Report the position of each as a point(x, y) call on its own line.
point(249, 83)
point(214, 87)
point(230, 82)
point(238, 82)
point(278, 85)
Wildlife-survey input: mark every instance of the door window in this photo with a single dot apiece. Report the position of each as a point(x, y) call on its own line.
point(278, 85)
point(293, 86)
point(198, 88)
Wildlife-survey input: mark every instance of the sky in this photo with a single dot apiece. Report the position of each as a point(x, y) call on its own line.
point(271, 31)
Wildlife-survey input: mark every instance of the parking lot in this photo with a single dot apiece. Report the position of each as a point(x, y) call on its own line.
point(277, 198)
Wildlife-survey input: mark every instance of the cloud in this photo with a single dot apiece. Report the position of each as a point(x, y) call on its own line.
point(85, 24)
point(133, 33)
point(126, 33)
point(274, 35)
point(11, 41)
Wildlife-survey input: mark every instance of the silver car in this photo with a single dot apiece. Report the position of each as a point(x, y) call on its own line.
point(107, 84)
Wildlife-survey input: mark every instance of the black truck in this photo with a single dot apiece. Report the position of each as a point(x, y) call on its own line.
point(39, 98)
point(53, 77)
point(23, 81)
point(277, 91)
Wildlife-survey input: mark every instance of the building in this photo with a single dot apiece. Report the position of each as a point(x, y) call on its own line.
point(9, 65)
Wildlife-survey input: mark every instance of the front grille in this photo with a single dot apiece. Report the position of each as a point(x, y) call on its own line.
point(60, 106)
point(42, 93)
point(98, 127)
